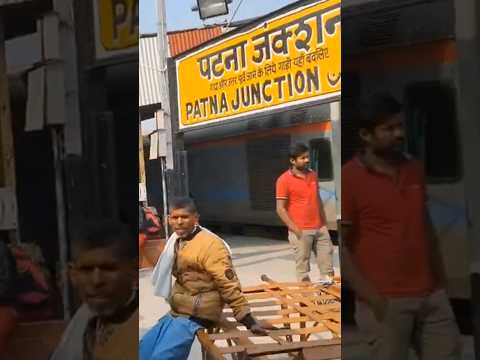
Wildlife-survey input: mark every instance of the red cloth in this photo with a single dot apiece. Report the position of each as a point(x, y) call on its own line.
point(26, 264)
point(302, 195)
point(142, 238)
point(389, 243)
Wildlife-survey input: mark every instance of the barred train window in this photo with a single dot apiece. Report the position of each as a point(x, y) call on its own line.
point(431, 129)
point(321, 158)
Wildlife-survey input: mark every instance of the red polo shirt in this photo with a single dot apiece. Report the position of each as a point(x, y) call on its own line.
point(303, 206)
point(389, 242)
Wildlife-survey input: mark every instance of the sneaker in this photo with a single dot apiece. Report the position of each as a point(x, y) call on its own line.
point(326, 280)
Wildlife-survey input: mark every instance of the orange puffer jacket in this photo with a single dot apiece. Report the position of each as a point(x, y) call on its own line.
point(206, 280)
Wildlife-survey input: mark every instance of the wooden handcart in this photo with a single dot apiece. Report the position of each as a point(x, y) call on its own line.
point(306, 315)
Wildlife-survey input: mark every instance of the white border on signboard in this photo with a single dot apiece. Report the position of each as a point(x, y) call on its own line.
point(270, 108)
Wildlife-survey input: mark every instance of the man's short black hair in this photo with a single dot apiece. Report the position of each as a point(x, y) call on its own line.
point(376, 109)
point(105, 233)
point(297, 150)
point(183, 203)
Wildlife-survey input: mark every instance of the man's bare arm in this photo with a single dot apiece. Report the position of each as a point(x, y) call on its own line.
point(283, 214)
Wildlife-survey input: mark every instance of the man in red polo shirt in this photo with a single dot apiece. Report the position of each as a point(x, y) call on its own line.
point(390, 254)
point(300, 207)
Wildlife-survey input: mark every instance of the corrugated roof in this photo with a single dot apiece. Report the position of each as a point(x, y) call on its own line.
point(181, 41)
point(148, 74)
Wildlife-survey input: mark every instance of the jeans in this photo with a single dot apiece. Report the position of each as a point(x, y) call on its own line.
point(170, 339)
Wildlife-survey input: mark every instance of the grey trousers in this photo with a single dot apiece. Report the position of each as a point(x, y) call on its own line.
point(425, 324)
point(318, 242)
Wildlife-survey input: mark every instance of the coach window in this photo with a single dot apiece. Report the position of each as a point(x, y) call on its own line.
point(321, 159)
point(432, 133)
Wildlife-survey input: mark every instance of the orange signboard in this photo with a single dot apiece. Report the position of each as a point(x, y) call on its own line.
point(289, 59)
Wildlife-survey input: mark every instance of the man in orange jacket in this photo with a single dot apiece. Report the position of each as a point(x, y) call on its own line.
point(205, 282)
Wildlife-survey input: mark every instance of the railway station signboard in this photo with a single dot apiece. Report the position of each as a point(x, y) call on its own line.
point(116, 28)
point(288, 59)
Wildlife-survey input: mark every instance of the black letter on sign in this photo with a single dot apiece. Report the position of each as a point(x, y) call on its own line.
point(120, 12)
point(300, 82)
point(267, 97)
point(313, 79)
point(223, 103)
point(189, 110)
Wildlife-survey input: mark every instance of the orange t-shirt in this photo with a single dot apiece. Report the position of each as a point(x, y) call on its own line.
point(303, 205)
point(389, 242)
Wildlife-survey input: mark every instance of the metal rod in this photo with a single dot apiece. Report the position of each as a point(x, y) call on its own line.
point(61, 223)
point(165, 201)
point(162, 56)
point(234, 13)
point(164, 99)
point(6, 132)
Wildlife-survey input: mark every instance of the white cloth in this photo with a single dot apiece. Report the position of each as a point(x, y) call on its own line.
point(162, 273)
point(71, 344)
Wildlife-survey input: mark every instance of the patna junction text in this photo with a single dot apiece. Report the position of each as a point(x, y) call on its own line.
point(286, 87)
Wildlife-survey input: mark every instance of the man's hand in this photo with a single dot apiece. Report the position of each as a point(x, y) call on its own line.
point(257, 329)
point(379, 306)
point(283, 214)
point(255, 326)
point(298, 233)
point(261, 328)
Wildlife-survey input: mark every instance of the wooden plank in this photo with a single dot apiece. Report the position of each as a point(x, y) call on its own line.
point(270, 286)
point(209, 346)
point(248, 333)
point(286, 311)
point(292, 299)
point(336, 317)
point(269, 349)
point(284, 321)
point(287, 301)
point(335, 291)
point(322, 353)
point(303, 324)
point(329, 324)
point(240, 341)
point(268, 303)
point(287, 291)
point(334, 327)
point(272, 293)
point(314, 308)
point(295, 319)
point(288, 320)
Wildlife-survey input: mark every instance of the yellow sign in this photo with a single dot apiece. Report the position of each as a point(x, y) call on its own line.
point(293, 58)
point(117, 26)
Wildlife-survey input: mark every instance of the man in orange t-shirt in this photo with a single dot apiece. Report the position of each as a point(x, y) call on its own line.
point(390, 254)
point(300, 207)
